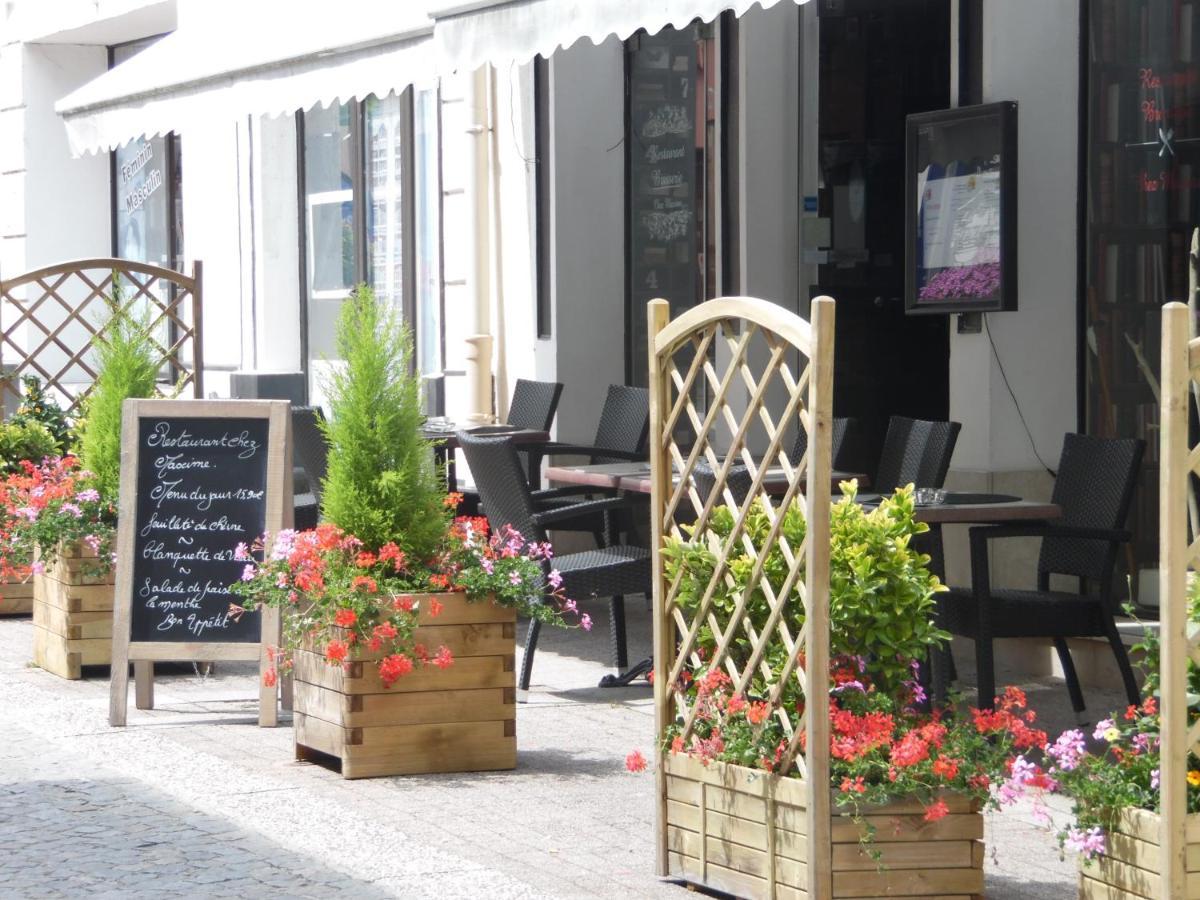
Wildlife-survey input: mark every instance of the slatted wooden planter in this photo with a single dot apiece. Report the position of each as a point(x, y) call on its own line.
point(16, 598)
point(72, 614)
point(742, 831)
point(459, 719)
point(1131, 867)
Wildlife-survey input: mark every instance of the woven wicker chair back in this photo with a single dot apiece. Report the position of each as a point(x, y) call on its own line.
point(624, 421)
point(534, 404)
point(1094, 487)
point(501, 482)
point(915, 451)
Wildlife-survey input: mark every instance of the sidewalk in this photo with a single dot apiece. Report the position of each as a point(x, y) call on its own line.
point(194, 798)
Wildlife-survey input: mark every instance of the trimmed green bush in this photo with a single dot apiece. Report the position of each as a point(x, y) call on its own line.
point(24, 440)
point(127, 366)
point(381, 484)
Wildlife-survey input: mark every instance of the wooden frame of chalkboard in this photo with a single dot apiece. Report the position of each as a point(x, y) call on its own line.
point(973, 202)
point(197, 478)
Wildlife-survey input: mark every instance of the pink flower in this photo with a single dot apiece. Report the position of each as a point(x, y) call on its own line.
point(248, 573)
point(37, 567)
point(635, 762)
point(241, 552)
point(585, 622)
point(555, 579)
point(1088, 843)
point(1068, 749)
point(514, 577)
point(487, 565)
point(88, 495)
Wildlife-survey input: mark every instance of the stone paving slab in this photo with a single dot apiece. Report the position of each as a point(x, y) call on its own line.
point(567, 822)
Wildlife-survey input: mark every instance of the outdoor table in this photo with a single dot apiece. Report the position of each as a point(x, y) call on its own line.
point(446, 442)
point(635, 477)
point(959, 509)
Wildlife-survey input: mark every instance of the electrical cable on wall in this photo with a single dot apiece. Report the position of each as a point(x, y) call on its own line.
point(1029, 434)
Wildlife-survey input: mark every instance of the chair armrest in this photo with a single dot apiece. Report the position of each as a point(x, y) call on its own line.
point(588, 507)
point(567, 490)
point(1048, 529)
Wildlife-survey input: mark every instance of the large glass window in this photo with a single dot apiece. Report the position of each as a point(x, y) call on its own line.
point(371, 202)
point(1143, 199)
point(147, 194)
point(331, 251)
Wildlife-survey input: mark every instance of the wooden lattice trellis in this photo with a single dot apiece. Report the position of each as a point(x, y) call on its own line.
point(1179, 551)
point(52, 316)
point(740, 353)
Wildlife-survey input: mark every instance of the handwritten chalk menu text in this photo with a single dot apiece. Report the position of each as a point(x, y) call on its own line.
point(201, 490)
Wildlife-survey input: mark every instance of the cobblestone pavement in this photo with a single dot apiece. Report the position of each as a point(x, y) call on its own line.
point(109, 835)
point(192, 798)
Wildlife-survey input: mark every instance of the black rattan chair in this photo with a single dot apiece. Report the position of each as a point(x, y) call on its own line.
point(915, 452)
point(620, 437)
point(310, 454)
point(1094, 487)
point(604, 572)
point(842, 428)
point(533, 406)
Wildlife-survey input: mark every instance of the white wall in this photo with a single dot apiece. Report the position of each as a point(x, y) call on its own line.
point(215, 232)
point(55, 208)
point(769, 101)
point(587, 229)
point(276, 261)
point(1037, 343)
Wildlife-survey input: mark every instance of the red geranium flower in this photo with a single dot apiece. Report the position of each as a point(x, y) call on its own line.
point(635, 762)
point(335, 650)
point(345, 618)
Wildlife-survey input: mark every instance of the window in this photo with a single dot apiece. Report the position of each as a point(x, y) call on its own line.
point(147, 195)
point(370, 207)
point(1143, 202)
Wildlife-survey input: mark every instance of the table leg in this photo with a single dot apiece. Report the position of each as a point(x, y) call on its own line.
point(630, 675)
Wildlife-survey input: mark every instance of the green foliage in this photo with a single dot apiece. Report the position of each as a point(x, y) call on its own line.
point(24, 441)
point(382, 484)
point(127, 367)
point(881, 593)
point(39, 407)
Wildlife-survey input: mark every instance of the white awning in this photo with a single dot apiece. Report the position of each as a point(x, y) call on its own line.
point(276, 57)
point(469, 34)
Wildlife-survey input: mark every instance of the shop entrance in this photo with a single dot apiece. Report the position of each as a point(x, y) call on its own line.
point(879, 61)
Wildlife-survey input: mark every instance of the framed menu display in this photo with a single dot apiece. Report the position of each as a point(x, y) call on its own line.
point(961, 210)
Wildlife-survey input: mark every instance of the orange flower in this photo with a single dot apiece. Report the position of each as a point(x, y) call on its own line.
point(345, 618)
point(364, 582)
point(441, 582)
point(856, 785)
point(945, 767)
point(403, 603)
point(270, 678)
point(364, 560)
point(335, 651)
point(435, 607)
point(452, 500)
point(758, 712)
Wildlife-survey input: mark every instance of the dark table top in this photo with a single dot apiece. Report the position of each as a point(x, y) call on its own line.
point(635, 477)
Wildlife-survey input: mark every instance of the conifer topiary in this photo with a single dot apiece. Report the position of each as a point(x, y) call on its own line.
point(126, 366)
point(382, 483)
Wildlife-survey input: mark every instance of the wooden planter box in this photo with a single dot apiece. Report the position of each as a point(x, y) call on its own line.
point(742, 831)
point(72, 614)
point(459, 719)
point(1130, 866)
point(16, 598)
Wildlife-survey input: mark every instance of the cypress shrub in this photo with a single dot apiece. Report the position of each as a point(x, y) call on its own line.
point(381, 483)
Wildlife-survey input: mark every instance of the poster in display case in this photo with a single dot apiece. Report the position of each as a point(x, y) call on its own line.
point(961, 210)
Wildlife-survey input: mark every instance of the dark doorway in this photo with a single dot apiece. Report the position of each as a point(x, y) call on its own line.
point(880, 60)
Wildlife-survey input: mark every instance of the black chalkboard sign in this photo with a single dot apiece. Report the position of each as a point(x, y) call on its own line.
point(198, 477)
point(201, 489)
point(663, 161)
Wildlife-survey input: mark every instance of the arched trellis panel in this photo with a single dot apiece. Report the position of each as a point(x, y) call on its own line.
point(1179, 551)
point(724, 405)
point(52, 317)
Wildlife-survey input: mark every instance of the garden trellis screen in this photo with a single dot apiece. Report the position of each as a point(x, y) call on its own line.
point(1179, 552)
point(742, 352)
point(52, 316)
